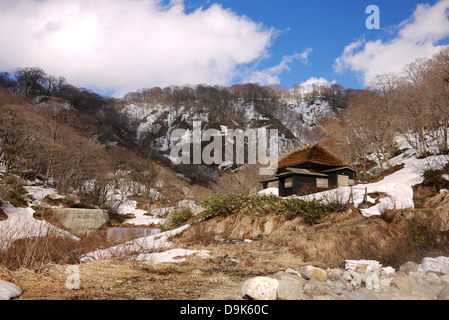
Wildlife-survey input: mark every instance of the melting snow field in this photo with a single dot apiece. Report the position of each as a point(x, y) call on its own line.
point(398, 186)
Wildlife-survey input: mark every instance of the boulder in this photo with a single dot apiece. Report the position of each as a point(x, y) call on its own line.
point(407, 268)
point(444, 294)
point(318, 274)
point(82, 222)
point(334, 274)
point(404, 283)
point(260, 288)
point(310, 272)
point(432, 279)
point(290, 287)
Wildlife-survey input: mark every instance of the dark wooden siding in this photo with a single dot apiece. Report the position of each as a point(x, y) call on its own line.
point(333, 176)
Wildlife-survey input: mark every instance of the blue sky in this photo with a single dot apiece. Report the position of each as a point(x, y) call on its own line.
point(325, 26)
point(117, 46)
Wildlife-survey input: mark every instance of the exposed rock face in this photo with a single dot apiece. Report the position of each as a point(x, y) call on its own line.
point(82, 222)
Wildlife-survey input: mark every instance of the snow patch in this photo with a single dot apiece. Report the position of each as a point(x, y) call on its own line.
point(9, 290)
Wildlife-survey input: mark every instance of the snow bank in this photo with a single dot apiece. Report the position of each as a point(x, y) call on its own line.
point(269, 191)
point(21, 224)
point(131, 248)
point(434, 265)
point(9, 290)
point(39, 193)
point(398, 186)
point(171, 256)
point(352, 265)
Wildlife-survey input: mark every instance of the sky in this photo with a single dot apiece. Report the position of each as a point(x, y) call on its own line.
point(116, 46)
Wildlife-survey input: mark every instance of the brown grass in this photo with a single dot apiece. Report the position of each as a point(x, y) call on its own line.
point(285, 243)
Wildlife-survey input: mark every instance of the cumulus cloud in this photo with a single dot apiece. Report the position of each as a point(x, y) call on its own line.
point(272, 75)
point(318, 81)
point(126, 45)
point(417, 37)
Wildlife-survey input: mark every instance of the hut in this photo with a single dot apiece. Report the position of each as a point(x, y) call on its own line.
point(308, 170)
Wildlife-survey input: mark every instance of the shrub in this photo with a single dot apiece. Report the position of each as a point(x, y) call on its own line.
point(224, 205)
point(115, 217)
point(181, 216)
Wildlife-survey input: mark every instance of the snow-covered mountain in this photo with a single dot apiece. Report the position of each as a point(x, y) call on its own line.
point(154, 114)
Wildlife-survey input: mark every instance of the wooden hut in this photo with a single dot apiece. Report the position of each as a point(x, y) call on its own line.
point(308, 170)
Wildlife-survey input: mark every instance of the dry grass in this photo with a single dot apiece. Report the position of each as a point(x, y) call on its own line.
point(286, 243)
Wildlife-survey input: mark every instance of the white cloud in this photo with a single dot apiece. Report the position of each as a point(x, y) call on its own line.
point(272, 75)
point(417, 37)
point(313, 80)
point(129, 44)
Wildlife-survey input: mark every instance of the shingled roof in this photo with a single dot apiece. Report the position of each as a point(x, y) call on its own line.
point(314, 154)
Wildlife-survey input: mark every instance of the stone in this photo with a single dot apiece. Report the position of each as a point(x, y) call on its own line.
point(82, 222)
point(432, 278)
point(318, 274)
point(304, 272)
point(372, 282)
point(445, 280)
point(356, 281)
point(385, 282)
point(444, 294)
point(334, 274)
point(407, 268)
point(286, 275)
point(260, 288)
point(315, 288)
point(346, 276)
point(290, 288)
point(338, 287)
point(232, 262)
point(293, 271)
point(404, 283)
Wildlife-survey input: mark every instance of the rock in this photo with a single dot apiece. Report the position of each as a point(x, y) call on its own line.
point(408, 268)
point(385, 282)
point(311, 272)
point(334, 274)
point(432, 278)
point(356, 281)
point(232, 262)
point(304, 272)
point(445, 280)
point(338, 287)
point(315, 288)
point(282, 274)
point(82, 222)
point(293, 271)
point(346, 276)
point(260, 288)
point(404, 283)
point(318, 274)
point(444, 294)
point(9, 290)
point(290, 287)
